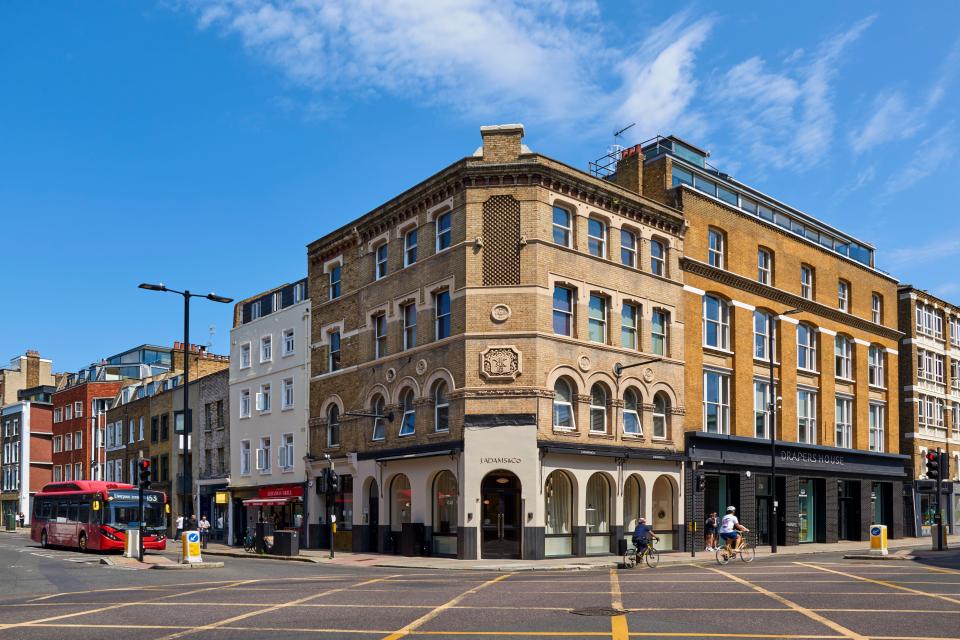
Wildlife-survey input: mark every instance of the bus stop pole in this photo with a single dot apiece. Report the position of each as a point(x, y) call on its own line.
point(140, 524)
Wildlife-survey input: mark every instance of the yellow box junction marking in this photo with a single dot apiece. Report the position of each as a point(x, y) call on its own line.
point(884, 583)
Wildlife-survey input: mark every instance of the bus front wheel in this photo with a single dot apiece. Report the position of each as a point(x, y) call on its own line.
point(82, 543)
point(43, 538)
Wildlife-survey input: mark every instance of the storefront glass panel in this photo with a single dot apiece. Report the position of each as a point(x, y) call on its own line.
point(632, 505)
point(445, 500)
point(598, 514)
point(400, 502)
point(558, 528)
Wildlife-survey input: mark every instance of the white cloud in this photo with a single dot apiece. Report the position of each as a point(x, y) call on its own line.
point(786, 116)
point(897, 117)
point(931, 155)
point(545, 59)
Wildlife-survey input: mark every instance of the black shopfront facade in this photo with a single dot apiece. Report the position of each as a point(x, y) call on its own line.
point(822, 494)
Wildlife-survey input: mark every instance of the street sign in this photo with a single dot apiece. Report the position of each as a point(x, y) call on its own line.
point(925, 486)
point(878, 539)
point(190, 547)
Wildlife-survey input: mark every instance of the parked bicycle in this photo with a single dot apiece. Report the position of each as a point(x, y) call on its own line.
point(746, 551)
point(634, 556)
point(250, 542)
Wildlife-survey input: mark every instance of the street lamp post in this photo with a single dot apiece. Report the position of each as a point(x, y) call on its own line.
point(773, 527)
point(187, 503)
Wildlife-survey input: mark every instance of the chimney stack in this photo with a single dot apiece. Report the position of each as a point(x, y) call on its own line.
point(501, 142)
point(629, 173)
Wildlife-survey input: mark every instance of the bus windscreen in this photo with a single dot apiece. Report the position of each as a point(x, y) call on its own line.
point(123, 508)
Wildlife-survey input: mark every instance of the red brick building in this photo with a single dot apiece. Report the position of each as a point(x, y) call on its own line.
point(77, 410)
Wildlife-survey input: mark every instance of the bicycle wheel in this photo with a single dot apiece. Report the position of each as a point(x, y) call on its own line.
point(747, 553)
point(722, 556)
point(653, 558)
point(630, 559)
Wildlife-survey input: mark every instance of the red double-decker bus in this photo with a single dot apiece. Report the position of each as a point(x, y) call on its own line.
point(92, 515)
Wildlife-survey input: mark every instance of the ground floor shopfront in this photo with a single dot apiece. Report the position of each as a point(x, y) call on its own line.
point(499, 493)
point(821, 494)
point(280, 506)
point(213, 501)
point(920, 505)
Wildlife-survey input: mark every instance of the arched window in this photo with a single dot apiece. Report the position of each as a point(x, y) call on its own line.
point(563, 405)
point(716, 322)
point(597, 237)
point(664, 510)
point(558, 532)
point(631, 413)
point(661, 407)
point(843, 354)
point(598, 514)
point(408, 425)
point(399, 502)
point(875, 368)
point(333, 426)
point(598, 408)
point(806, 347)
point(445, 497)
point(441, 407)
point(628, 248)
point(658, 257)
point(379, 424)
point(633, 507)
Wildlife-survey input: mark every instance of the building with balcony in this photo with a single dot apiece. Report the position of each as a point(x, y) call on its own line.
point(930, 403)
point(467, 339)
point(755, 268)
point(25, 372)
point(268, 402)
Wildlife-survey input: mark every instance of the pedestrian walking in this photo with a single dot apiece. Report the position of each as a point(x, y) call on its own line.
point(21, 519)
point(204, 530)
point(710, 531)
point(194, 525)
point(179, 527)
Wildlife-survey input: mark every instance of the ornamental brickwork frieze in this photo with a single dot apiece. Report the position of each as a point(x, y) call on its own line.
point(501, 362)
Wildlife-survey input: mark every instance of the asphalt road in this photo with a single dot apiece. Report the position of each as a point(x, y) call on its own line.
point(64, 594)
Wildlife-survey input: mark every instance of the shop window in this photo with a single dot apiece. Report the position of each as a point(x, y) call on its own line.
point(558, 530)
point(598, 514)
point(445, 501)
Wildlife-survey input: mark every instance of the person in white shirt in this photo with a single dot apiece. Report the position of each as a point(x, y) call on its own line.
point(730, 529)
point(179, 527)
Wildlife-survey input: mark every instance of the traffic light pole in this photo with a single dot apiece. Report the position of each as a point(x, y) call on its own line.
point(938, 518)
point(140, 522)
point(772, 527)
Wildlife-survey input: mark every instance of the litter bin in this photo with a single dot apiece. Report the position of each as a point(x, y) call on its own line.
point(264, 535)
point(286, 542)
point(11, 521)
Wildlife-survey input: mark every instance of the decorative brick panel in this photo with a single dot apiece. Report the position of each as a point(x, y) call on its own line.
point(501, 242)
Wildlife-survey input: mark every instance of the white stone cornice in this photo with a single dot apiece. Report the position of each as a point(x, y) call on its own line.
point(694, 290)
point(829, 332)
point(743, 305)
point(862, 343)
point(793, 321)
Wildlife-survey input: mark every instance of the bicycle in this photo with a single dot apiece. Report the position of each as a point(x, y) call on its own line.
point(745, 551)
point(650, 555)
point(250, 543)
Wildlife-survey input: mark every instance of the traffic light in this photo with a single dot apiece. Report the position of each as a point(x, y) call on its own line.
point(144, 473)
point(933, 465)
point(333, 482)
point(701, 482)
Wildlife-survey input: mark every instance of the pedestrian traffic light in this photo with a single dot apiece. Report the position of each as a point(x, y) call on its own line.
point(933, 465)
point(144, 473)
point(701, 482)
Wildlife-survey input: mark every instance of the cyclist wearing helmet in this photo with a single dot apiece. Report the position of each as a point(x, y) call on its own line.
point(730, 529)
point(642, 535)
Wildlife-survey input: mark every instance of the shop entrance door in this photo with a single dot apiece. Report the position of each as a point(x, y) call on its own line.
point(807, 513)
point(848, 509)
point(373, 524)
point(501, 524)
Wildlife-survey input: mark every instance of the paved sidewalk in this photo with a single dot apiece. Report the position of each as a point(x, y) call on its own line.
point(900, 547)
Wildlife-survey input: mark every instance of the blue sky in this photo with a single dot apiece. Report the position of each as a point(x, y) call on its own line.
point(204, 144)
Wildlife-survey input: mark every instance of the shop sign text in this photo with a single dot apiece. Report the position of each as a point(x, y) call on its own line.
point(814, 458)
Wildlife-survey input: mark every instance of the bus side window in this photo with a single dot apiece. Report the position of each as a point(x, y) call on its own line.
point(74, 508)
point(83, 515)
point(47, 507)
point(38, 505)
point(63, 510)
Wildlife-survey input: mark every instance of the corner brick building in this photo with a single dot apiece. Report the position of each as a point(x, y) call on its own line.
point(466, 336)
point(753, 265)
point(930, 403)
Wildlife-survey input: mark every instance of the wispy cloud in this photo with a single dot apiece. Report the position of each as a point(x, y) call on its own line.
point(930, 156)
point(787, 115)
point(921, 253)
point(897, 117)
point(546, 59)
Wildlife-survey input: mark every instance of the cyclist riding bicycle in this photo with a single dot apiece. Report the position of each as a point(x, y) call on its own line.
point(730, 529)
point(642, 535)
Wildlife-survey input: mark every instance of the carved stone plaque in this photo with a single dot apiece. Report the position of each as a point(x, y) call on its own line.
point(421, 367)
point(391, 374)
point(584, 363)
point(648, 375)
point(500, 313)
point(501, 362)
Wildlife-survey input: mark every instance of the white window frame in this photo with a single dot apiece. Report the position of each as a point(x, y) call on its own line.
point(597, 244)
point(877, 419)
point(764, 266)
point(266, 348)
point(289, 337)
point(843, 357)
point(244, 457)
point(876, 308)
point(660, 418)
point(335, 278)
point(843, 422)
point(716, 248)
point(722, 403)
point(630, 326)
point(843, 295)
point(264, 461)
point(245, 359)
point(68, 412)
point(379, 424)
point(634, 413)
point(438, 405)
point(439, 318)
point(408, 428)
point(722, 323)
point(334, 361)
point(628, 252)
point(600, 323)
point(286, 393)
point(443, 232)
point(57, 444)
point(807, 352)
point(658, 264)
point(599, 410)
point(664, 336)
point(68, 442)
point(245, 407)
point(567, 403)
point(876, 364)
point(807, 416)
point(567, 230)
point(333, 442)
point(409, 328)
point(78, 409)
point(381, 257)
point(380, 335)
point(761, 413)
point(570, 315)
point(761, 339)
point(410, 247)
point(78, 439)
point(264, 401)
point(285, 453)
point(806, 282)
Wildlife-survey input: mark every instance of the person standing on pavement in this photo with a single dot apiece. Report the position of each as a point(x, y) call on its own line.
point(710, 531)
point(204, 531)
point(179, 527)
point(194, 525)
